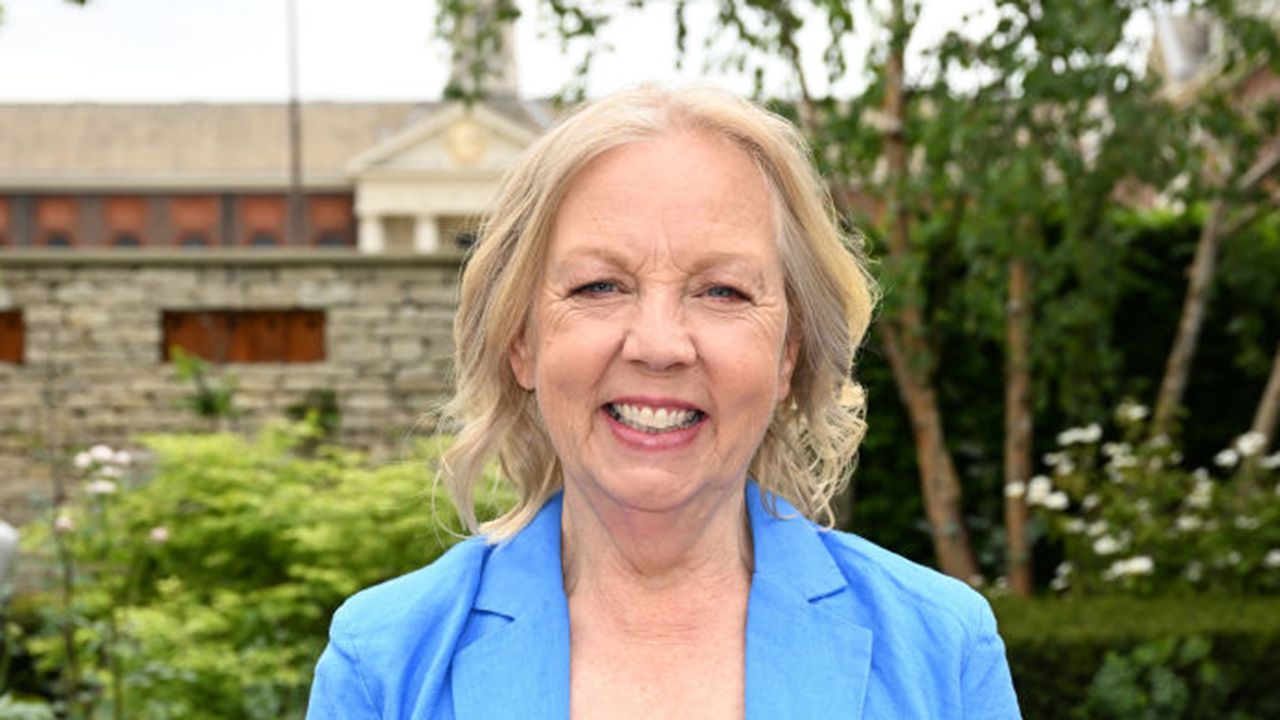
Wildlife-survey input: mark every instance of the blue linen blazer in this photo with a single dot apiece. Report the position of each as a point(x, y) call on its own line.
point(837, 627)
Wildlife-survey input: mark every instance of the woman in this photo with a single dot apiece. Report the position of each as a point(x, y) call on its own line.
point(654, 339)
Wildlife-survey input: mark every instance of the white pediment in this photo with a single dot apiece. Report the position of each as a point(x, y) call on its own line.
point(454, 139)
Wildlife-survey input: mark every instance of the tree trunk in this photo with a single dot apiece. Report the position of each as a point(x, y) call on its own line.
point(1018, 423)
point(1264, 420)
point(1178, 366)
point(1200, 278)
point(907, 350)
point(939, 481)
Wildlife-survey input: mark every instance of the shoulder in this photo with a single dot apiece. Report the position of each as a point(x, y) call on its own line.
point(930, 630)
point(907, 594)
point(392, 642)
point(419, 600)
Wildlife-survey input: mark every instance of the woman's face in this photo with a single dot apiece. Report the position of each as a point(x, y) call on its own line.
point(657, 344)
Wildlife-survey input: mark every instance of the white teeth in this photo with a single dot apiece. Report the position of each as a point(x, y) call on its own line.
point(651, 420)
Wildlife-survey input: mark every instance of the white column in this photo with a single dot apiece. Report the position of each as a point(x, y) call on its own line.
point(426, 239)
point(371, 238)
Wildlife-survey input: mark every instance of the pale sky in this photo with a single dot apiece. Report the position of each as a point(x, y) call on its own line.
point(220, 50)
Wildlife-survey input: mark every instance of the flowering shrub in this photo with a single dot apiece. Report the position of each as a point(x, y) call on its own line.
point(206, 573)
point(1132, 519)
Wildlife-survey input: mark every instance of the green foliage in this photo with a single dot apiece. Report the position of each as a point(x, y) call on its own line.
point(212, 398)
point(204, 586)
point(12, 708)
point(1131, 519)
point(1162, 658)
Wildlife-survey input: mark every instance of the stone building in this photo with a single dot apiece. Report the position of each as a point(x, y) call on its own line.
point(128, 230)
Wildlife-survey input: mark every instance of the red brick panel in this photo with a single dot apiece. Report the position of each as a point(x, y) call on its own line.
point(194, 219)
point(13, 334)
point(331, 219)
point(262, 217)
point(126, 220)
point(247, 336)
point(56, 220)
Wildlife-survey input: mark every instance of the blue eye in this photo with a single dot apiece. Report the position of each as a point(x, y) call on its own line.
point(724, 292)
point(599, 287)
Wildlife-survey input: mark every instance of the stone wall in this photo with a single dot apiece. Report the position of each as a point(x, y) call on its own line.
point(94, 373)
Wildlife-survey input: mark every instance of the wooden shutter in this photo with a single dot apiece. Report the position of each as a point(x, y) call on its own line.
point(13, 333)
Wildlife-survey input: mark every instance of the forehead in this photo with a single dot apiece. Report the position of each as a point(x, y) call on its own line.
point(685, 191)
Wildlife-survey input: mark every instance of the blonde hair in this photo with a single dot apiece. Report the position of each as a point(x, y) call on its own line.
point(808, 450)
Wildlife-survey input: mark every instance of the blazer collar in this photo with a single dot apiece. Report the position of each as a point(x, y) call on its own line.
point(805, 656)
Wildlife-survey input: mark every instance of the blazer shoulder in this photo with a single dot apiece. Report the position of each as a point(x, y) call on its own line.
point(898, 583)
point(418, 600)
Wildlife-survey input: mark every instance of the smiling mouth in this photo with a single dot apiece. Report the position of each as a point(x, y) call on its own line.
point(653, 420)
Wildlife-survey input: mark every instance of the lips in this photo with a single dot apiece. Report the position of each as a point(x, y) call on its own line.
point(654, 419)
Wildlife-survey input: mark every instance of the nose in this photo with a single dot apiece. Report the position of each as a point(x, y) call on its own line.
point(657, 336)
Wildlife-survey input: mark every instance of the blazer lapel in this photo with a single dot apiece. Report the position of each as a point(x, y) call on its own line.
point(806, 657)
point(517, 665)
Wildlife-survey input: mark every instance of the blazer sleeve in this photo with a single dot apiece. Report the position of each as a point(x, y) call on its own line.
point(338, 691)
point(986, 683)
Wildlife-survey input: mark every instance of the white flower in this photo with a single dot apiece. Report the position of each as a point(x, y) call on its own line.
point(63, 523)
point(100, 487)
point(1113, 449)
point(1122, 461)
point(1226, 458)
point(1015, 489)
point(1188, 523)
point(1057, 500)
point(1195, 571)
point(1064, 568)
point(1053, 458)
point(1130, 411)
point(122, 457)
point(1233, 558)
point(1270, 462)
point(1200, 474)
point(101, 453)
point(1038, 490)
point(1090, 501)
point(1083, 435)
point(1272, 559)
point(1073, 525)
point(1250, 443)
point(1159, 441)
point(158, 534)
point(110, 471)
point(1137, 565)
point(1106, 545)
point(1066, 467)
point(1245, 522)
point(1201, 495)
point(1097, 528)
point(83, 460)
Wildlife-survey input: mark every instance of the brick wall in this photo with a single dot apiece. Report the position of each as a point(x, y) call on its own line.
point(93, 368)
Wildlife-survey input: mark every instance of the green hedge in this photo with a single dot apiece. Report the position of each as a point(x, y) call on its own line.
point(1174, 657)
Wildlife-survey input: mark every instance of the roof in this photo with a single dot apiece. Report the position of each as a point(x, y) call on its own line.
point(202, 145)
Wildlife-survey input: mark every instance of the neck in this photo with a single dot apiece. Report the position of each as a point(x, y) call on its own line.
point(656, 571)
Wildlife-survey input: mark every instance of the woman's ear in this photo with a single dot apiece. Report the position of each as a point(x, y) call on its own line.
point(522, 360)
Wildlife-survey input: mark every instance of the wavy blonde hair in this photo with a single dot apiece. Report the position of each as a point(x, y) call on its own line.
point(808, 450)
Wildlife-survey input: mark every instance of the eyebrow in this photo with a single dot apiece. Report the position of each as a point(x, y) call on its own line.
point(737, 262)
